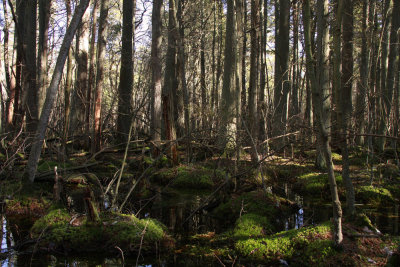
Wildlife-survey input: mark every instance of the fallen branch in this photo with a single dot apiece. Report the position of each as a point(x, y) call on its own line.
point(42, 176)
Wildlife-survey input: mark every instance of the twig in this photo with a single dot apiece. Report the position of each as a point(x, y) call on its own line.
point(122, 255)
point(141, 242)
point(215, 255)
point(48, 173)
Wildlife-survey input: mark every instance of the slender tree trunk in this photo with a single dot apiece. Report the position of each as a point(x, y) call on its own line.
point(170, 83)
point(391, 72)
point(364, 68)
point(243, 97)
point(346, 99)
point(44, 19)
point(228, 99)
point(91, 76)
point(253, 86)
point(79, 95)
point(101, 53)
point(282, 85)
point(156, 112)
point(203, 85)
point(319, 84)
point(295, 58)
point(385, 99)
point(126, 74)
point(68, 82)
point(29, 71)
point(10, 78)
point(34, 155)
point(261, 105)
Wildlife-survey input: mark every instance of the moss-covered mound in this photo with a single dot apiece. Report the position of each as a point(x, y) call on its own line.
point(307, 246)
point(196, 177)
point(374, 195)
point(251, 225)
point(60, 231)
point(316, 185)
point(256, 203)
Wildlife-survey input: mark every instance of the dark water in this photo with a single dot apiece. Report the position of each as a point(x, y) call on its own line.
point(175, 210)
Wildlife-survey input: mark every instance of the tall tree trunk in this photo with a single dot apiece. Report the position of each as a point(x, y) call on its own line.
point(261, 105)
point(228, 99)
point(385, 99)
point(182, 78)
point(79, 95)
point(101, 53)
point(364, 68)
point(346, 99)
point(319, 84)
point(253, 86)
point(388, 90)
point(44, 19)
point(10, 79)
point(91, 76)
point(170, 83)
point(282, 85)
point(294, 110)
point(156, 113)
point(29, 71)
point(243, 97)
point(34, 155)
point(126, 74)
point(203, 85)
point(68, 82)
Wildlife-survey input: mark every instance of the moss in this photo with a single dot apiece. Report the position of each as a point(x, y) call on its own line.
point(316, 184)
point(124, 231)
point(45, 166)
point(196, 177)
point(361, 220)
point(374, 195)
point(388, 171)
point(251, 225)
point(308, 246)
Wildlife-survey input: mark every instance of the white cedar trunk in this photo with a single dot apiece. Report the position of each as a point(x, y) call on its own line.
point(318, 84)
point(52, 91)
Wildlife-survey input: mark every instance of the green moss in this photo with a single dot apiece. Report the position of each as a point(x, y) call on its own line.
point(124, 231)
point(316, 184)
point(45, 166)
point(308, 246)
point(251, 225)
point(374, 195)
point(196, 177)
point(361, 220)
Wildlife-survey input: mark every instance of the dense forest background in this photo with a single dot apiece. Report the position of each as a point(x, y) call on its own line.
point(234, 77)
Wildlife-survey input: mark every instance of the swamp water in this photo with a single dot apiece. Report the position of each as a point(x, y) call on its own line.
point(184, 215)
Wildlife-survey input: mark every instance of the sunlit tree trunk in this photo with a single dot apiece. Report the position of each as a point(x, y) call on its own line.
point(227, 129)
point(320, 83)
point(68, 82)
point(34, 155)
point(170, 83)
point(156, 112)
point(101, 54)
point(254, 71)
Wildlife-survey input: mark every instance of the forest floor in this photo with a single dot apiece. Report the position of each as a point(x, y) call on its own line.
point(215, 211)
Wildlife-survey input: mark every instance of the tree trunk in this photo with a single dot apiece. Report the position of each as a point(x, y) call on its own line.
point(34, 155)
point(44, 18)
point(156, 113)
point(261, 105)
point(68, 82)
point(318, 85)
point(79, 96)
point(253, 86)
point(126, 74)
point(346, 99)
point(29, 71)
point(282, 85)
point(364, 68)
point(101, 54)
point(170, 83)
point(388, 90)
point(10, 79)
point(228, 99)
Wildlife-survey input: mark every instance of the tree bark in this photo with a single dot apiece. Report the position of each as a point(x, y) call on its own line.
point(52, 91)
point(254, 69)
point(44, 19)
point(68, 82)
point(101, 53)
point(156, 113)
point(346, 100)
point(318, 85)
point(282, 85)
point(126, 74)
